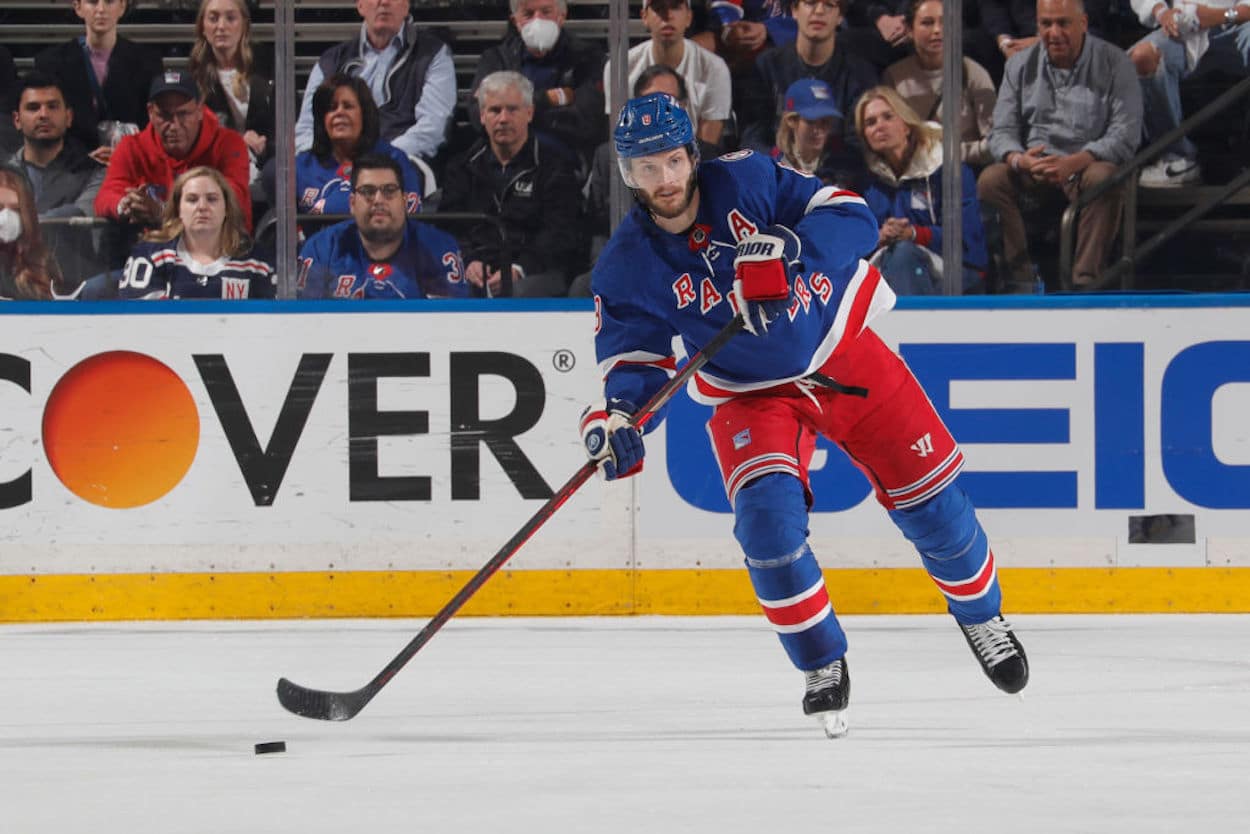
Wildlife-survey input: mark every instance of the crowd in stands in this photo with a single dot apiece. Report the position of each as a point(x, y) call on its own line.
point(144, 170)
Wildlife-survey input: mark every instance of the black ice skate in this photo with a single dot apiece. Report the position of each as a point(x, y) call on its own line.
point(828, 693)
point(1000, 653)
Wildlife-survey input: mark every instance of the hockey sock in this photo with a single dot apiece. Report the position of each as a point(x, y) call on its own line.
point(771, 525)
point(956, 553)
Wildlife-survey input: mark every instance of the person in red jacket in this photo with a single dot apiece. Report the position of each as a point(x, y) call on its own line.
point(181, 134)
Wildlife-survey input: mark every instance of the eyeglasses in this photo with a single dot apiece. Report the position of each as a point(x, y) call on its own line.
point(368, 192)
point(828, 4)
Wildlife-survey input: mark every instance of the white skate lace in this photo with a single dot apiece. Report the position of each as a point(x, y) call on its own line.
point(992, 640)
point(827, 677)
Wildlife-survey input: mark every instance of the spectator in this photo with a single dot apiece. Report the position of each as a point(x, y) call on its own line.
point(28, 269)
point(705, 74)
point(409, 72)
point(380, 252)
point(224, 68)
point(183, 134)
point(1068, 112)
point(814, 54)
point(202, 248)
point(527, 184)
point(806, 125)
point(9, 140)
point(65, 180)
point(345, 126)
point(1011, 23)
point(876, 31)
point(740, 30)
point(904, 157)
point(104, 76)
point(566, 73)
point(1192, 39)
point(918, 79)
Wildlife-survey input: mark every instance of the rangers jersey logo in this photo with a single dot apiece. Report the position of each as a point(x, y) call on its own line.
point(380, 272)
point(700, 237)
point(742, 439)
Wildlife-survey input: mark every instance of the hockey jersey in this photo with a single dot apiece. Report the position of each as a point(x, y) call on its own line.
point(650, 285)
point(165, 270)
point(324, 186)
point(334, 264)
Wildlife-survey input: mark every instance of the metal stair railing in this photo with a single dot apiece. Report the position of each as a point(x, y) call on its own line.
point(1133, 252)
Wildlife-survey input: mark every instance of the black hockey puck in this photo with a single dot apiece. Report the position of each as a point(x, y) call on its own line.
point(271, 747)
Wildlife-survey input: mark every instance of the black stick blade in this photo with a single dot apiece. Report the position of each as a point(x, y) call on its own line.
point(321, 705)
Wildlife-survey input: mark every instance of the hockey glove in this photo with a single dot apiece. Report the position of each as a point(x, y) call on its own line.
point(610, 439)
point(764, 268)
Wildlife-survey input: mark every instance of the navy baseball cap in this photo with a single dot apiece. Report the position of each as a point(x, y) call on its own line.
point(174, 81)
point(812, 99)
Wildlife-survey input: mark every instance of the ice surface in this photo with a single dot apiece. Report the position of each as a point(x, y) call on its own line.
point(624, 726)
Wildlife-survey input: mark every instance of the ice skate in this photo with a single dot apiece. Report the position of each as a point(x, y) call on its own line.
point(828, 693)
point(999, 652)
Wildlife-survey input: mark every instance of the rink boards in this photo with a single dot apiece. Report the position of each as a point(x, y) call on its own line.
point(217, 460)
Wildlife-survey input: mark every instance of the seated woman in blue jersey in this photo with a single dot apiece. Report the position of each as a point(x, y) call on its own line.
point(904, 192)
point(200, 250)
point(346, 124)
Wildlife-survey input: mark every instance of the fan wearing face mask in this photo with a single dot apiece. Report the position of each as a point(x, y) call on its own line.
point(28, 270)
point(565, 72)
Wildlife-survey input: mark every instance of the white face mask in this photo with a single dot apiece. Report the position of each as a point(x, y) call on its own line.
point(10, 225)
point(540, 34)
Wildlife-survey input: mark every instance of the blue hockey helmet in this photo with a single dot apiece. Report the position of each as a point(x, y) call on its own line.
point(652, 124)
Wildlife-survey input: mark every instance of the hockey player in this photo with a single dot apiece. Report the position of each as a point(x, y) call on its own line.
point(741, 232)
point(380, 253)
point(201, 250)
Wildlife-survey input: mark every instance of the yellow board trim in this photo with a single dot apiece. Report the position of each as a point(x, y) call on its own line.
point(201, 596)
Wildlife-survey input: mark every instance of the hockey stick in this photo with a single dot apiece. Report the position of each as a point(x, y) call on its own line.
point(342, 706)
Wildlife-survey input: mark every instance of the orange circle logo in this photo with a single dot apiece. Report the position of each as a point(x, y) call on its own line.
point(120, 429)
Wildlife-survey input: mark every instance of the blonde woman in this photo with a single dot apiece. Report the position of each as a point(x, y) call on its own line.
point(807, 128)
point(200, 250)
point(225, 70)
point(904, 193)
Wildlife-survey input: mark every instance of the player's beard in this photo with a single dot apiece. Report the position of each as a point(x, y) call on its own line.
point(656, 211)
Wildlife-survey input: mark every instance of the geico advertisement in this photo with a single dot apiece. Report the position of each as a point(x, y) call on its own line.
point(1073, 422)
point(424, 440)
point(287, 429)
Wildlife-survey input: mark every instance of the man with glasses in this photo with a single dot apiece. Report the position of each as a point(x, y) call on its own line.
point(380, 252)
point(181, 134)
point(816, 53)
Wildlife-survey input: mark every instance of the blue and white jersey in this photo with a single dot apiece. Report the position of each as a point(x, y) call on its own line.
point(334, 264)
point(166, 270)
point(650, 285)
point(324, 187)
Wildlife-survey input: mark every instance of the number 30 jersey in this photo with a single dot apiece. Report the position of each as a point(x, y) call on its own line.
point(166, 270)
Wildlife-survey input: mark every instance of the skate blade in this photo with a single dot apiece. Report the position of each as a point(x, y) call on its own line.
point(833, 723)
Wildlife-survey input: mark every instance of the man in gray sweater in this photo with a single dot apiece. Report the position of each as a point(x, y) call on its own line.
point(1069, 111)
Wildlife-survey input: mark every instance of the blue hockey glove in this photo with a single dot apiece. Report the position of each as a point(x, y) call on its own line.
point(610, 439)
point(765, 264)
